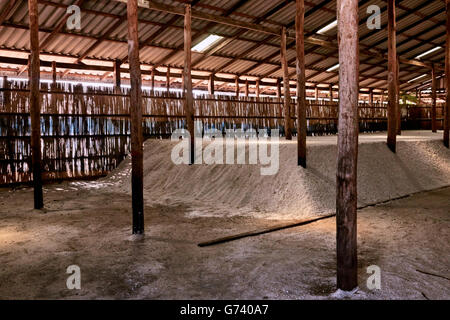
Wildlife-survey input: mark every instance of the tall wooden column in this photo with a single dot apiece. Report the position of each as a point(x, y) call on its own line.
point(397, 100)
point(316, 93)
point(278, 88)
point(331, 93)
point(301, 79)
point(258, 89)
point(371, 97)
point(137, 165)
point(246, 88)
point(189, 102)
point(236, 87)
point(168, 80)
point(447, 77)
point(211, 84)
point(153, 80)
point(35, 104)
point(117, 64)
point(433, 100)
point(392, 77)
point(346, 193)
point(287, 94)
point(53, 74)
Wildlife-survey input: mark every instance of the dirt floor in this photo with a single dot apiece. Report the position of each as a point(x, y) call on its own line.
point(88, 224)
point(405, 238)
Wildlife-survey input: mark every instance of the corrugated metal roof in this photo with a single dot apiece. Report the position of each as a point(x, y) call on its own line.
point(416, 34)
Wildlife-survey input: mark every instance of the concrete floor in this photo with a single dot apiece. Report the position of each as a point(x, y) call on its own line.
point(405, 238)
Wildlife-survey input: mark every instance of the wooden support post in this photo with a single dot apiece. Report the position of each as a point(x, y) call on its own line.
point(420, 97)
point(392, 79)
point(137, 164)
point(397, 100)
point(189, 100)
point(153, 80)
point(211, 84)
point(301, 79)
point(258, 89)
point(287, 94)
point(331, 93)
point(278, 88)
point(35, 104)
point(246, 88)
point(6, 94)
point(236, 87)
point(316, 93)
point(346, 193)
point(168, 80)
point(447, 77)
point(371, 98)
point(433, 100)
point(53, 74)
point(117, 79)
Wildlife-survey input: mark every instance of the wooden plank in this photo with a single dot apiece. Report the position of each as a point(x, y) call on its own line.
point(263, 231)
point(35, 104)
point(287, 94)
point(189, 102)
point(447, 77)
point(392, 79)
point(137, 164)
point(346, 175)
point(301, 78)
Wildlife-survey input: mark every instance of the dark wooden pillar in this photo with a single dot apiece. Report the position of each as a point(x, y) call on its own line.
point(246, 88)
point(301, 79)
point(278, 88)
point(137, 165)
point(287, 94)
point(117, 64)
point(433, 99)
point(168, 80)
point(371, 97)
point(331, 93)
point(153, 80)
point(392, 77)
point(447, 77)
point(397, 100)
point(236, 87)
point(211, 84)
point(258, 89)
point(346, 193)
point(189, 100)
point(316, 93)
point(35, 104)
point(53, 74)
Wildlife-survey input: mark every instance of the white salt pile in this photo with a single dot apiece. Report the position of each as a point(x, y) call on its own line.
point(294, 192)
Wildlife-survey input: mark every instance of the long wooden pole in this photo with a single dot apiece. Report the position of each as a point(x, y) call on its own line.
point(35, 105)
point(54, 74)
point(117, 79)
point(346, 176)
point(301, 79)
point(447, 76)
point(397, 100)
point(211, 84)
point(246, 88)
point(433, 100)
point(258, 88)
point(236, 87)
point(168, 80)
point(392, 80)
point(287, 94)
point(189, 105)
point(137, 164)
point(153, 80)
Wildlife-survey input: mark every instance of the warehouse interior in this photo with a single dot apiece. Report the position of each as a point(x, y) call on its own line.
point(350, 97)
